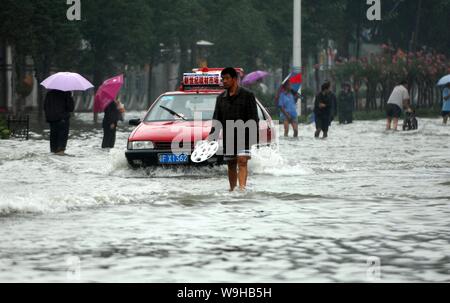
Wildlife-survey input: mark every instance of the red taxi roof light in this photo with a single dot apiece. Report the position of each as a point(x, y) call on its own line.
point(205, 79)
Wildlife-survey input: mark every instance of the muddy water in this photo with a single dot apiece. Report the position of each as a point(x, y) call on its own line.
point(361, 206)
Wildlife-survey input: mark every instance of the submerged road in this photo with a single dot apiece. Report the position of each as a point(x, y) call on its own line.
point(360, 206)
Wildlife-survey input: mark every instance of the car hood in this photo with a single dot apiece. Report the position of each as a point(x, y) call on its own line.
point(168, 131)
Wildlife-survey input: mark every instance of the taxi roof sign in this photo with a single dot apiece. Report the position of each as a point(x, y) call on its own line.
point(202, 80)
point(205, 78)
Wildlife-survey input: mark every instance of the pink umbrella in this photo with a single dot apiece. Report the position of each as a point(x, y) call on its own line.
point(107, 93)
point(66, 82)
point(254, 77)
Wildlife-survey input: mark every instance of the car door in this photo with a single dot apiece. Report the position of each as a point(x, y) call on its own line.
point(265, 126)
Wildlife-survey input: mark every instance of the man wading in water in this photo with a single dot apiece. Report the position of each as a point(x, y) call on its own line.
point(236, 112)
point(322, 111)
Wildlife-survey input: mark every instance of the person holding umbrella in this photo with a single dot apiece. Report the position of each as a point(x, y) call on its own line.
point(105, 101)
point(59, 105)
point(288, 108)
point(113, 114)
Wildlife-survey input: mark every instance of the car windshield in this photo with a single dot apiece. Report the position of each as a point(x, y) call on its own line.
point(186, 107)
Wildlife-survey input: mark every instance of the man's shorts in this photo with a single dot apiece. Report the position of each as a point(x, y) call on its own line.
point(393, 111)
point(294, 118)
point(243, 153)
point(445, 114)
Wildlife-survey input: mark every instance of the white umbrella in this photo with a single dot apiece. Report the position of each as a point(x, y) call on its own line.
point(444, 81)
point(66, 82)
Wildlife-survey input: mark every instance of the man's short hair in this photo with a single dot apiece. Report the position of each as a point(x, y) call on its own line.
point(326, 86)
point(403, 82)
point(231, 72)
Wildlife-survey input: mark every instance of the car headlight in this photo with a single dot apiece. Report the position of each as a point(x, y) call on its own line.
point(140, 145)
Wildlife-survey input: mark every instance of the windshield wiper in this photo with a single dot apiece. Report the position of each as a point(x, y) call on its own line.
point(173, 113)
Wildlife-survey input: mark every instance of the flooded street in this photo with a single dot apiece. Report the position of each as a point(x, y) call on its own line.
point(315, 211)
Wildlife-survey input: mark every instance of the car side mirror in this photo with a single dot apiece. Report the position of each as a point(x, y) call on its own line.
point(135, 122)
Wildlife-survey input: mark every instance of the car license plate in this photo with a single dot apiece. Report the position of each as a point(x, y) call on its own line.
point(173, 159)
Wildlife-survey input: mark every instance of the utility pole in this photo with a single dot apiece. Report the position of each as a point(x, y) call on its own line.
point(297, 52)
point(415, 37)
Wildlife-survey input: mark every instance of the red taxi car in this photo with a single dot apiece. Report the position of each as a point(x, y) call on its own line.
point(178, 120)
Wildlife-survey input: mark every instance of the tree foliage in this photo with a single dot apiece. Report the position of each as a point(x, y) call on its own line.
point(250, 33)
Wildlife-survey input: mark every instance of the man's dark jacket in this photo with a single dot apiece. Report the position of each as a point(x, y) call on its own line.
point(240, 107)
point(58, 105)
point(112, 115)
point(325, 99)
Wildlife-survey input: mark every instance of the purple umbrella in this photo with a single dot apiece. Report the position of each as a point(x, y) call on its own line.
point(67, 82)
point(254, 77)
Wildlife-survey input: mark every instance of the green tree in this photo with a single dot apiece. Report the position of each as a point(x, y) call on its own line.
point(39, 29)
point(117, 32)
point(240, 34)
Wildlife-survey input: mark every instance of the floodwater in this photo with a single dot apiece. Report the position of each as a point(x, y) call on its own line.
point(362, 206)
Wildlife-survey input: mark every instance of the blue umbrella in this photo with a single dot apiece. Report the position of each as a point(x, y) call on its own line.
point(444, 81)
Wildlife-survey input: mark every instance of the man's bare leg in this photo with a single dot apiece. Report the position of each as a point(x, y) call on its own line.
point(395, 123)
point(286, 128)
point(243, 171)
point(445, 119)
point(295, 126)
point(388, 124)
point(232, 174)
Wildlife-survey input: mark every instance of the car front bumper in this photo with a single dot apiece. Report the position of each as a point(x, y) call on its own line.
point(145, 158)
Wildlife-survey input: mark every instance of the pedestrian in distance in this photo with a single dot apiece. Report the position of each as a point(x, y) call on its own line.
point(288, 107)
point(322, 111)
point(113, 114)
point(346, 104)
point(333, 103)
point(236, 104)
point(446, 104)
point(58, 106)
point(398, 101)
